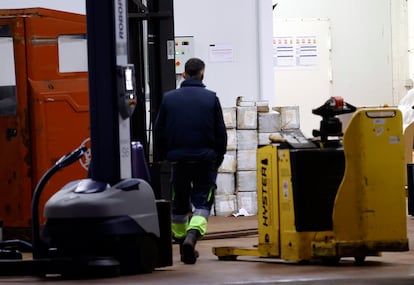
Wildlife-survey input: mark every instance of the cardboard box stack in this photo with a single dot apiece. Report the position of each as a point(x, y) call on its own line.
point(246, 157)
point(268, 124)
point(225, 196)
point(249, 126)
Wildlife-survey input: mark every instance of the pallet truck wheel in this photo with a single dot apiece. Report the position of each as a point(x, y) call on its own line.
point(360, 260)
point(331, 260)
point(228, 258)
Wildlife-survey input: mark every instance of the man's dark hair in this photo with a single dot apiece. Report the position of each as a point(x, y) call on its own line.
point(194, 66)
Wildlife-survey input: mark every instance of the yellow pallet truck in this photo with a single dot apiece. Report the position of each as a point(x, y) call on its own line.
point(331, 198)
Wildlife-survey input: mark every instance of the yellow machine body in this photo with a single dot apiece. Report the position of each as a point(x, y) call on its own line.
point(368, 212)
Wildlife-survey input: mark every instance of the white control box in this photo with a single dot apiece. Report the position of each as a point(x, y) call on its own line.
point(184, 50)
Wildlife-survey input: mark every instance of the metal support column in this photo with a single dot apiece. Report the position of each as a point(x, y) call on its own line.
point(107, 32)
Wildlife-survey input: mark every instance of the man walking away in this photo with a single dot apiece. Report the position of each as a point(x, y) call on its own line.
point(190, 133)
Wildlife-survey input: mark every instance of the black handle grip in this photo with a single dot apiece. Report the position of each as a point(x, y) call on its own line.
point(71, 157)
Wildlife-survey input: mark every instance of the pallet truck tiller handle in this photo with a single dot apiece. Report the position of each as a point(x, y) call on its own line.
point(38, 247)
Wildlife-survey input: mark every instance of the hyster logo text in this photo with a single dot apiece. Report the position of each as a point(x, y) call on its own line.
point(265, 192)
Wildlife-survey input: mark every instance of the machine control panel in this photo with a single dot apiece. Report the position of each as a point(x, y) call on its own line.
point(296, 139)
point(127, 97)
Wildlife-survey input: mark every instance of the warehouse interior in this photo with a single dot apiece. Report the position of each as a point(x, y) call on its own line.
point(312, 92)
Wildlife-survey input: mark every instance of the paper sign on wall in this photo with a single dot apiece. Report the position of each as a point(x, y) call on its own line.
point(220, 53)
point(295, 52)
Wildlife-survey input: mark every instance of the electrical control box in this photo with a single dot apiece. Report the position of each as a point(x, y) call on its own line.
point(184, 50)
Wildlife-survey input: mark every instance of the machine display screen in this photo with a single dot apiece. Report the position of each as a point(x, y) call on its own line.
point(129, 86)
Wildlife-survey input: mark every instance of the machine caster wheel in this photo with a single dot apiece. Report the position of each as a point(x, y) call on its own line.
point(102, 267)
point(147, 255)
point(137, 254)
point(331, 260)
point(359, 260)
point(80, 267)
point(228, 258)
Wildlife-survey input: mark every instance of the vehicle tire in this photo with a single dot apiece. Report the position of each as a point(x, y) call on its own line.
point(331, 260)
point(360, 260)
point(228, 258)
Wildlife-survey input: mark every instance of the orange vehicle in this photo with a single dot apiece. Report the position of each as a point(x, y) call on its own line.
point(43, 106)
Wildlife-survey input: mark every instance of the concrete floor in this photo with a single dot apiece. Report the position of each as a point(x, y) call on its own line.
point(391, 268)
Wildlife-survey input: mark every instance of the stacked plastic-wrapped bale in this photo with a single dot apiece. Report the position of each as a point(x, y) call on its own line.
point(289, 117)
point(246, 188)
point(268, 123)
point(225, 196)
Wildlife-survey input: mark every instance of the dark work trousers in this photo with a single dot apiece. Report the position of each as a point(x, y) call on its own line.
point(193, 183)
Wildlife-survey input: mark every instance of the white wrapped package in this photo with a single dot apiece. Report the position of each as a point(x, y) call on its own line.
point(246, 181)
point(247, 118)
point(268, 122)
point(229, 164)
point(225, 205)
point(246, 159)
point(231, 139)
point(289, 117)
point(246, 139)
point(229, 116)
point(248, 201)
point(225, 184)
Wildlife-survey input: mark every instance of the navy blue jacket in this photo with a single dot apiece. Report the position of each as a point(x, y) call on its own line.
point(190, 125)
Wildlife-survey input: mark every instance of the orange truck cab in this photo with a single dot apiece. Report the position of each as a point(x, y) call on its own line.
point(43, 107)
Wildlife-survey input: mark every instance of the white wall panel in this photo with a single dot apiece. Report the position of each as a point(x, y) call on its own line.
point(362, 49)
point(233, 24)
